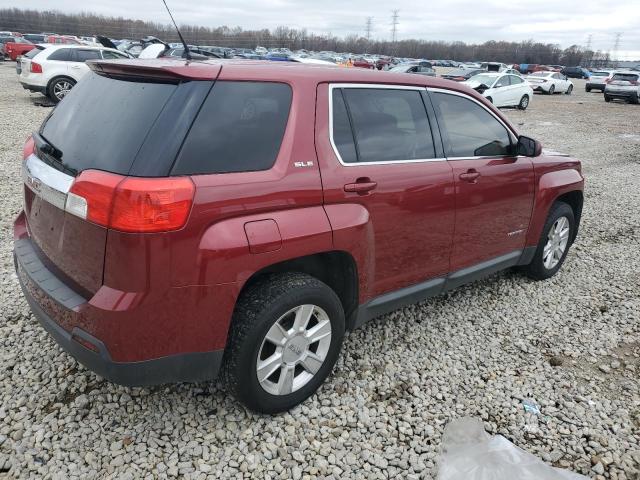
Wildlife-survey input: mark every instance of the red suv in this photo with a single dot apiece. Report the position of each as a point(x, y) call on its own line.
point(185, 218)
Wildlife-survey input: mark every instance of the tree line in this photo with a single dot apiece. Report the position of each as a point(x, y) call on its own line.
point(88, 24)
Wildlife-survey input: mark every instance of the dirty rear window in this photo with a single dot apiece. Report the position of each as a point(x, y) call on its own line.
point(102, 122)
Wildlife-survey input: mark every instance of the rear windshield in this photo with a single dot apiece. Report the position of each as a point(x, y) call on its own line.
point(103, 122)
point(34, 52)
point(600, 74)
point(628, 77)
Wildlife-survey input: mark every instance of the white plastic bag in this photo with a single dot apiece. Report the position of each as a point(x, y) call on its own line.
point(469, 453)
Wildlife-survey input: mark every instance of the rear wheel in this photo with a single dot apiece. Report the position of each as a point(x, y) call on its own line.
point(59, 88)
point(554, 243)
point(607, 98)
point(524, 102)
point(587, 89)
point(635, 99)
point(285, 338)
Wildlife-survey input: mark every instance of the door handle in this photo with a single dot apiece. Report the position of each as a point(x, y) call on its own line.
point(470, 176)
point(361, 186)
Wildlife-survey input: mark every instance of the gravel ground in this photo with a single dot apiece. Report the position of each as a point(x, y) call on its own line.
point(571, 344)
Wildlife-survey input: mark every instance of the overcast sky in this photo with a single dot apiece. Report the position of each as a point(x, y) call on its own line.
point(565, 22)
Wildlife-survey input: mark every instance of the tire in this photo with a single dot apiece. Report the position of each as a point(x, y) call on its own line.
point(539, 269)
point(59, 87)
point(524, 102)
point(569, 90)
point(278, 299)
point(552, 89)
point(587, 89)
point(635, 100)
point(607, 98)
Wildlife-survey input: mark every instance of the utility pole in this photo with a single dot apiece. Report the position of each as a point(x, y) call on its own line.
point(589, 39)
point(394, 25)
point(616, 46)
point(368, 27)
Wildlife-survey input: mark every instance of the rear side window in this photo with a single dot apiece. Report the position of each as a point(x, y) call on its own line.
point(389, 124)
point(62, 54)
point(239, 129)
point(103, 122)
point(471, 130)
point(109, 55)
point(515, 80)
point(84, 55)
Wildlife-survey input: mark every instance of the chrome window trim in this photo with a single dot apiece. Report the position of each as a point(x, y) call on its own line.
point(45, 181)
point(375, 86)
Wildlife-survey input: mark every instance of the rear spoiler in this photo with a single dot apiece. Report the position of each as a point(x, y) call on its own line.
point(171, 71)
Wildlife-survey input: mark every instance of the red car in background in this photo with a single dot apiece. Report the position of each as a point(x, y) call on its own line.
point(361, 62)
point(19, 46)
point(61, 39)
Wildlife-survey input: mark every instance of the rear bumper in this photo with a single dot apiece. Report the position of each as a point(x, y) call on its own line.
point(595, 86)
point(34, 88)
point(42, 289)
point(622, 93)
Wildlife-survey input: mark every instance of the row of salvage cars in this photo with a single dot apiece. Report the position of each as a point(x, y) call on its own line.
point(509, 89)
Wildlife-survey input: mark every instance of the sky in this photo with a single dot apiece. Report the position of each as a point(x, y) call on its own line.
point(565, 22)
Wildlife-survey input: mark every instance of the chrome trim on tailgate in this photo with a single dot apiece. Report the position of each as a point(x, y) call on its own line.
point(45, 181)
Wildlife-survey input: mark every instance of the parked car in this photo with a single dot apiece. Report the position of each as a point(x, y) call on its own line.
point(3, 41)
point(18, 47)
point(61, 40)
point(493, 66)
point(503, 90)
point(277, 57)
point(159, 251)
point(53, 71)
point(35, 37)
point(576, 72)
point(550, 83)
point(179, 52)
point(598, 80)
point(420, 68)
point(462, 74)
point(361, 62)
point(623, 86)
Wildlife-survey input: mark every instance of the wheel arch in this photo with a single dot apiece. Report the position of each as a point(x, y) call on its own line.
point(337, 269)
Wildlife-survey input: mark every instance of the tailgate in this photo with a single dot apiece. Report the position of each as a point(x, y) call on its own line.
point(67, 244)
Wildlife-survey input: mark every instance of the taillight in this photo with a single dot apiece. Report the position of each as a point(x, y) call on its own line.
point(633, 82)
point(29, 147)
point(131, 204)
point(36, 67)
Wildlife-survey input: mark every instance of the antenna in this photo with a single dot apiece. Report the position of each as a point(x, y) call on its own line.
point(187, 53)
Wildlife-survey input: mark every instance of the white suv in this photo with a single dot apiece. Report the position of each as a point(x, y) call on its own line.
point(54, 69)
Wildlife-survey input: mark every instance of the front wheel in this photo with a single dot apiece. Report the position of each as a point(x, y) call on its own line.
point(286, 334)
point(552, 89)
point(524, 102)
point(569, 90)
point(552, 249)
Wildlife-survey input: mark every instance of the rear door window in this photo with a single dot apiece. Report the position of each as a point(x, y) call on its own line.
point(341, 133)
point(470, 129)
point(389, 124)
point(239, 129)
point(62, 55)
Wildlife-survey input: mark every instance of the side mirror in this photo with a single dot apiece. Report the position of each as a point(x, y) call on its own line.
point(529, 147)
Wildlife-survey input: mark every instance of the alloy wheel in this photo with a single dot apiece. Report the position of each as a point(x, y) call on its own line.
point(293, 350)
point(557, 241)
point(62, 88)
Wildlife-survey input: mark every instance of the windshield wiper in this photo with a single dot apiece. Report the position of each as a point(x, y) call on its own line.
point(43, 145)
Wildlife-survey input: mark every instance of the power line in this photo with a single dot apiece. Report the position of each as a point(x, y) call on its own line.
point(368, 27)
point(394, 24)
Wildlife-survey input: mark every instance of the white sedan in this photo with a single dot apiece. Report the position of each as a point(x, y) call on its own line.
point(550, 83)
point(503, 90)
